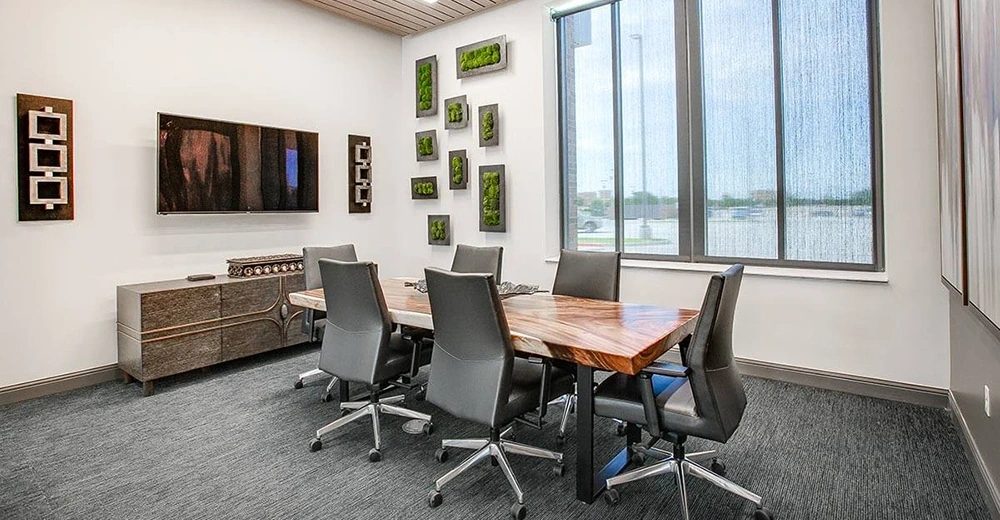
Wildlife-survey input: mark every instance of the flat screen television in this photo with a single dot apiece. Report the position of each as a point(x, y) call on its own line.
point(208, 166)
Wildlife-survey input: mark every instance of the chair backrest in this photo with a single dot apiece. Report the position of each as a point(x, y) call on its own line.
point(715, 381)
point(312, 255)
point(472, 259)
point(358, 326)
point(592, 275)
point(473, 356)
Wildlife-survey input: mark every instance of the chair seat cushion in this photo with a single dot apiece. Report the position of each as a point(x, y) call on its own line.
point(397, 359)
point(618, 397)
point(526, 386)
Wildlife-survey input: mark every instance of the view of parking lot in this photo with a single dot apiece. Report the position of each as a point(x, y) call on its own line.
point(817, 233)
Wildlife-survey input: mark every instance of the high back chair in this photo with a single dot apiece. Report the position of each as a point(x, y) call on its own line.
point(584, 274)
point(312, 320)
point(359, 346)
point(476, 376)
point(704, 398)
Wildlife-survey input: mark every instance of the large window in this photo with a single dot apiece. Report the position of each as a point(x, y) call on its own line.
point(722, 130)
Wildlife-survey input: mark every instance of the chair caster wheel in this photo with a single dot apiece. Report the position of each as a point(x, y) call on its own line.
point(298, 385)
point(620, 429)
point(718, 468)
point(559, 469)
point(327, 397)
point(420, 395)
point(428, 428)
point(441, 455)
point(315, 445)
point(344, 412)
point(374, 455)
point(611, 497)
point(518, 512)
point(434, 498)
point(494, 462)
point(637, 458)
point(762, 514)
point(560, 440)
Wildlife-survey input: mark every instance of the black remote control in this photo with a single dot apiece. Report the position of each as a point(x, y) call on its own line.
point(200, 277)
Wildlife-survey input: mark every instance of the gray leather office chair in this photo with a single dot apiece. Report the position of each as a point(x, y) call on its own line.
point(594, 275)
point(475, 375)
point(312, 320)
point(468, 259)
point(359, 346)
point(704, 398)
point(472, 259)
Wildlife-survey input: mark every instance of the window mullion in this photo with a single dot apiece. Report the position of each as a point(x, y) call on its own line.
point(779, 131)
point(696, 131)
point(616, 69)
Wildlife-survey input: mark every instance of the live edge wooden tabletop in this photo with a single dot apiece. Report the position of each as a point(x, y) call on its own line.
point(623, 337)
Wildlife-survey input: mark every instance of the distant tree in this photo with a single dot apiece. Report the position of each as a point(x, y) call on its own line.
point(598, 207)
point(642, 197)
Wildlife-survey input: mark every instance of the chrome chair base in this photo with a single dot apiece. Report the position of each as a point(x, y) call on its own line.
point(373, 409)
point(328, 394)
point(681, 468)
point(498, 449)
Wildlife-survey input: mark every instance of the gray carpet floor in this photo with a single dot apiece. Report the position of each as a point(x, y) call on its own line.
point(234, 444)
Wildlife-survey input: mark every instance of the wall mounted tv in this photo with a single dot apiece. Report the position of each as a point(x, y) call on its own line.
point(210, 166)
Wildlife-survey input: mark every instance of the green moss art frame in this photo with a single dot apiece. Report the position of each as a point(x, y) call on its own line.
point(426, 145)
point(422, 188)
point(439, 230)
point(481, 57)
point(458, 170)
point(456, 113)
point(492, 198)
point(426, 86)
point(489, 125)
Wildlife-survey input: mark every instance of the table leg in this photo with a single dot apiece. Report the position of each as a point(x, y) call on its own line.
point(586, 489)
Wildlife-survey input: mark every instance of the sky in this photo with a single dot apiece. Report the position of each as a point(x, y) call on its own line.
point(824, 84)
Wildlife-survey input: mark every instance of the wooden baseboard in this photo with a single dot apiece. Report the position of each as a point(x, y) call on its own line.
point(867, 386)
point(990, 489)
point(57, 384)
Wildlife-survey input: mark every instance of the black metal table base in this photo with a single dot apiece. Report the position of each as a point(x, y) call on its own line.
point(589, 485)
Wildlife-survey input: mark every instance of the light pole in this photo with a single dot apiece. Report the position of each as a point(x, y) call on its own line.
point(645, 231)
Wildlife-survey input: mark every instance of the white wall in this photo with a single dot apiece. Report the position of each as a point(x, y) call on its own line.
point(273, 62)
point(896, 331)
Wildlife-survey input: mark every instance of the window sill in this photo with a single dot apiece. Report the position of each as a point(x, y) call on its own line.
point(753, 270)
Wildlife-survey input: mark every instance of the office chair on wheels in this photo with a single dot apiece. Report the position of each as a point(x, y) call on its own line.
point(583, 275)
point(359, 346)
point(312, 320)
point(704, 398)
point(475, 376)
point(467, 259)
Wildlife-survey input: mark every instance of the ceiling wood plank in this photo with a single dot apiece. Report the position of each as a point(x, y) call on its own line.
point(414, 18)
point(404, 17)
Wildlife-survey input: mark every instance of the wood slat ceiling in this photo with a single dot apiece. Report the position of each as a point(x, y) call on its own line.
point(404, 17)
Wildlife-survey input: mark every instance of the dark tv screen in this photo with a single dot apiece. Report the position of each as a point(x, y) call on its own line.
point(210, 166)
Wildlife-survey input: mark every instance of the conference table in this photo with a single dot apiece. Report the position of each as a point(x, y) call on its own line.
point(592, 334)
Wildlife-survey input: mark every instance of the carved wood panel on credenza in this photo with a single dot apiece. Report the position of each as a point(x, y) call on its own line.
point(169, 327)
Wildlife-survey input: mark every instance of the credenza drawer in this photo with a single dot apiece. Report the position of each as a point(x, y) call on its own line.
point(181, 353)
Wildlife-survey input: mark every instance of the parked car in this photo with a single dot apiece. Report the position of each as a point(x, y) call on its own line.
point(587, 223)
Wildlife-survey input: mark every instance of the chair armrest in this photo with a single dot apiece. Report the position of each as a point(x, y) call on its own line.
point(649, 404)
point(683, 346)
point(543, 397)
point(666, 369)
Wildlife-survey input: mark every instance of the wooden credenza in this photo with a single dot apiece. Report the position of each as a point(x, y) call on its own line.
point(169, 327)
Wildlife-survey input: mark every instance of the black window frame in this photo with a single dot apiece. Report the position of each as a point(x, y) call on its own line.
point(691, 144)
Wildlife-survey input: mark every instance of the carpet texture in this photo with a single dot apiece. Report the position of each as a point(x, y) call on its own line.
point(234, 444)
